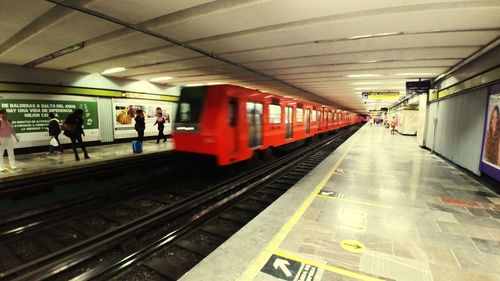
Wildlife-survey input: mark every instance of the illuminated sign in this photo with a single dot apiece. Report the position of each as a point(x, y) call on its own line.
point(419, 87)
point(380, 95)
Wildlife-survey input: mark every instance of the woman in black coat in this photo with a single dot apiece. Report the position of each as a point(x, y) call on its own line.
point(140, 124)
point(73, 129)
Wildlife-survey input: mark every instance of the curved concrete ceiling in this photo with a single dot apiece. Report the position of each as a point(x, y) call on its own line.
point(321, 50)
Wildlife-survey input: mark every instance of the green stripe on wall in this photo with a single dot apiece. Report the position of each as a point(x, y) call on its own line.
point(482, 79)
point(47, 89)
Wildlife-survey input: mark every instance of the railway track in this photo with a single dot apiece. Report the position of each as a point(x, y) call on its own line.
point(31, 235)
point(160, 237)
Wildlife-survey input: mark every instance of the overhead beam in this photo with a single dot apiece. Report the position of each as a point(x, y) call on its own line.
point(181, 44)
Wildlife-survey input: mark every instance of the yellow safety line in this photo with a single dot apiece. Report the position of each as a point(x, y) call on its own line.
point(259, 262)
point(330, 268)
point(356, 201)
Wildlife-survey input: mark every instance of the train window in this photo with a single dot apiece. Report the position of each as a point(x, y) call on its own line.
point(232, 112)
point(314, 115)
point(190, 105)
point(299, 115)
point(288, 122)
point(254, 119)
point(274, 114)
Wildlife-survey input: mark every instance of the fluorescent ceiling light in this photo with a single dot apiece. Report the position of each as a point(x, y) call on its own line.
point(161, 78)
point(215, 83)
point(360, 37)
point(56, 54)
point(363, 75)
point(193, 85)
point(416, 74)
point(367, 83)
point(373, 35)
point(368, 61)
point(361, 89)
point(114, 70)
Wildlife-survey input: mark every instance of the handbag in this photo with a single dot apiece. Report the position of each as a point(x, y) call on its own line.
point(69, 127)
point(53, 142)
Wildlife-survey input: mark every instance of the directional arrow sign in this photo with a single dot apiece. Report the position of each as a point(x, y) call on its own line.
point(282, 268)
point(352, 246)
point(282, 264)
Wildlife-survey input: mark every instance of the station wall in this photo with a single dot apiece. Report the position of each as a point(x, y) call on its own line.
point(29, 94)
point(455, 128)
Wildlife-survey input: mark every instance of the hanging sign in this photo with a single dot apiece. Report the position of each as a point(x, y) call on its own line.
point(380, 95)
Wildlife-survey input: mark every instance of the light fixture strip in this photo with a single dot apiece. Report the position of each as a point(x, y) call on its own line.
point(56, 54)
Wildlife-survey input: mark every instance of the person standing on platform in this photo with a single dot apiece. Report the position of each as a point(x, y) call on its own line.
point(73, 129)
point(54, 131)
point(160, 120)
point(140, 124)
point(7, 133)
point(393, 125)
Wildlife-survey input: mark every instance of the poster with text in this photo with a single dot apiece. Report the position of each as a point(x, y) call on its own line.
point(29, 115)
point(125, 112)
point(490, 161)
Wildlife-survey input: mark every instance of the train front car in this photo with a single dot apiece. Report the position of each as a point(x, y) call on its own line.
point(191, 132)
point(208, 123)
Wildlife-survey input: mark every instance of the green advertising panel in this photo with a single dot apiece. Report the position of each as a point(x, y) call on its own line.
point(29, 116)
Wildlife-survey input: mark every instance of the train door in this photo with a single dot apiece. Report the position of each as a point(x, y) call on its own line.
point(308, 121)
point(327, 117)
point(233, 125)
point(319, 119)
point(288, 122)
point(254, 119)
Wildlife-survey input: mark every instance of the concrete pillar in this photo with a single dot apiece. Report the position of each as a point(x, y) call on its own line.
point(422, 119)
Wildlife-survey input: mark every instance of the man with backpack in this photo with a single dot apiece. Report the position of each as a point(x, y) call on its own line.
point(54, 132)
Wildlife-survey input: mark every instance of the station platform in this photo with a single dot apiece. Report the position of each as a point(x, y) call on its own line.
point(37, 164)
point(379, 208)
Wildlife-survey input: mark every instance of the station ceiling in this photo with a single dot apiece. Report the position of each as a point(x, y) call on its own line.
point(320, 50)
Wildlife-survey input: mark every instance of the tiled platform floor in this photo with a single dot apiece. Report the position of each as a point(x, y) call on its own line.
point(40, 163)
point(418, 218)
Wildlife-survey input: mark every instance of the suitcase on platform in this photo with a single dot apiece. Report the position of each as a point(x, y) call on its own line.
point(137, 146)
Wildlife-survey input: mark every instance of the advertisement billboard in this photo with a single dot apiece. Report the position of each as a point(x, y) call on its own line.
point(124, 111)
point(490, 158)
point(29, 115)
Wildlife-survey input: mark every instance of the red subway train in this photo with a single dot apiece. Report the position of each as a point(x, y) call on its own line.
point(230, 122)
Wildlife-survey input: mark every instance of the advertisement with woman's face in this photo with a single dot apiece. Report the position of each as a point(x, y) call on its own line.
point(491, 144)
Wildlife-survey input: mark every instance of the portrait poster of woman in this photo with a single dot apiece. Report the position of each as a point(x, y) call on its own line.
point(491, 144)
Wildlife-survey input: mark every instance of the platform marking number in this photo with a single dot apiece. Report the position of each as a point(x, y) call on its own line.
point(286, 269)
point(353, 246)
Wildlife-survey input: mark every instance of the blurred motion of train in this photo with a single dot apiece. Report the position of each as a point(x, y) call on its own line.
point(230, 122)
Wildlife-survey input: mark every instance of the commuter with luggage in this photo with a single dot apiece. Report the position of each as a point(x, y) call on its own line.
point(140, 125)
point(54, 131)
point(73, 129)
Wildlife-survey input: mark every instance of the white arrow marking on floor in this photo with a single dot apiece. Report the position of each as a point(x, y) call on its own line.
point(282, 265)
